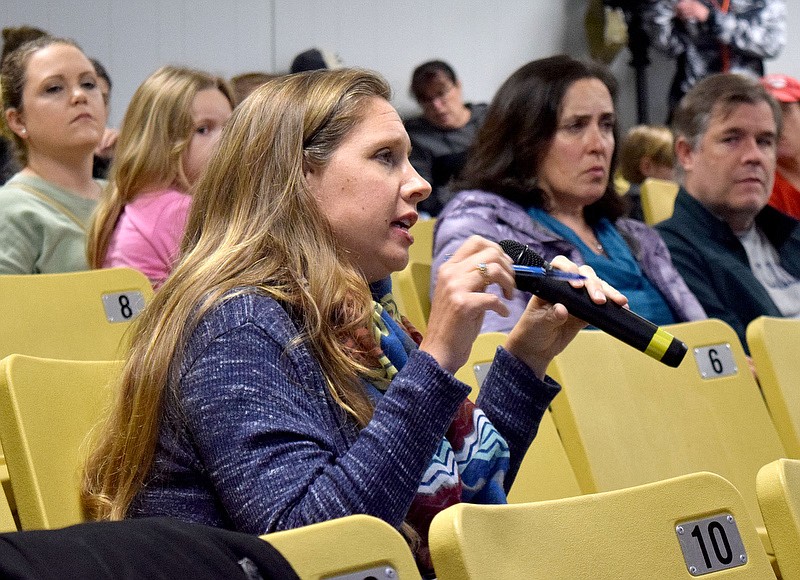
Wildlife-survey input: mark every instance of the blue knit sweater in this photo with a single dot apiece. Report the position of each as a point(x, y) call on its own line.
point(253, 441)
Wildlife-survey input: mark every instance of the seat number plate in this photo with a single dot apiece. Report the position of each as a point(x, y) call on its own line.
point(123, 306)
point(711, 544)
point(715, 361)
point(481, 370)
point(377, 573)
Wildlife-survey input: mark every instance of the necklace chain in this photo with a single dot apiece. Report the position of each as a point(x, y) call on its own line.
point(593, 242)
point(596, 244)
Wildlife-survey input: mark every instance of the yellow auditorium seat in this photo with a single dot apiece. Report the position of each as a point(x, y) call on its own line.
point(5, 483)
point(480, 359)
point(778, 488)
point(545, 472)
point(621, 185)
point(658, 199)
point(410, 288)
point(626, 419)
point(421, 250)
point(76, 315)
point(775, 348)
point(353, 547)
point(6, 519)
point(678, 528)
point(47, 408)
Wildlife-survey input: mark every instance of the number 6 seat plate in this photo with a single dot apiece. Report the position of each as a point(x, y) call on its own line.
point(715, 361)
point(711, 544)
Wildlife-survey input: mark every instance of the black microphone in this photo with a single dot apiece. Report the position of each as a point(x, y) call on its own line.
point(621, 323)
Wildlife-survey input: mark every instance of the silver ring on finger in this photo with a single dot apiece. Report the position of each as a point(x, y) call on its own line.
point(484, 271)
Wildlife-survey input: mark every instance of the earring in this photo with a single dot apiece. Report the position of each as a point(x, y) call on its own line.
point(24, 131)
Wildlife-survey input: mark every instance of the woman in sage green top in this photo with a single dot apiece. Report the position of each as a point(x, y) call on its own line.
point(54, 113)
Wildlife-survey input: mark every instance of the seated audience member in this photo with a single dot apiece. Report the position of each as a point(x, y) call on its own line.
point(539, 173)
point(13, 37)
point(272, 382)
point(245, 83)
point(441, 136)
point(54, 114)
point(315, 59)
point(646, 151)
point(738, 255)
point(714, 36)
point(105, 150)
point(786, 191)
point(172, 124)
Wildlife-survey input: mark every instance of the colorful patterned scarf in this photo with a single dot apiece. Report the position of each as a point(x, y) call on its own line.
point(472, 459)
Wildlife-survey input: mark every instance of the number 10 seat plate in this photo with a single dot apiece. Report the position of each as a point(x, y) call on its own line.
point(711, 544)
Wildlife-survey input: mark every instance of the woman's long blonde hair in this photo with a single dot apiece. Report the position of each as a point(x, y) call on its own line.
point(253, 223)
point(154, 135)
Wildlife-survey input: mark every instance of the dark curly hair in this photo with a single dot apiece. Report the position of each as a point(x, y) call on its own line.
point(519, 127)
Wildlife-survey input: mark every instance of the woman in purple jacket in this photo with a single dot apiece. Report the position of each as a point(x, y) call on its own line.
point(539, 172)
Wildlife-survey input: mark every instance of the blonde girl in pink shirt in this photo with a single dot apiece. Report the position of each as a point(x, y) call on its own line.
point(168, 134)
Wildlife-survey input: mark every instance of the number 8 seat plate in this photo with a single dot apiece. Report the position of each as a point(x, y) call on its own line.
point(123, 306)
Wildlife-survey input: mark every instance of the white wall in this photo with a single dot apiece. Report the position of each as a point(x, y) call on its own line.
point(484, 41)
point(133, 38)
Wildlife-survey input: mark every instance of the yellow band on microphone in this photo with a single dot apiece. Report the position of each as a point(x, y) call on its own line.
point(659, 344)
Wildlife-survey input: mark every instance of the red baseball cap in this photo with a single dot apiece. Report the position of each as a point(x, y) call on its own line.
point(783, 87)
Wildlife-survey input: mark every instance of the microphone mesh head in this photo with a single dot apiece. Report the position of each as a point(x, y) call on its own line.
point(522, 254)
